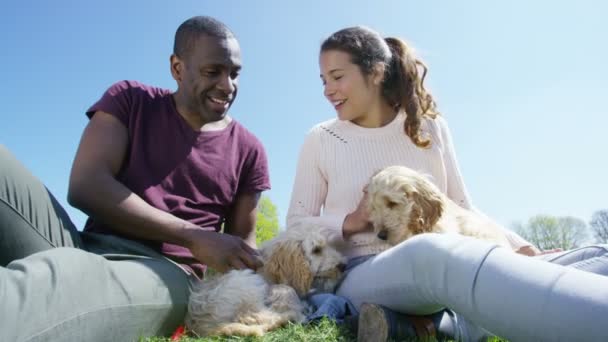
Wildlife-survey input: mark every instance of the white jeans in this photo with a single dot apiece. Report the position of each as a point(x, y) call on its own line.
point(513, 296)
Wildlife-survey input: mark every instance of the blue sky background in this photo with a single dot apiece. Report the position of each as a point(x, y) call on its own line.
point(523, 84)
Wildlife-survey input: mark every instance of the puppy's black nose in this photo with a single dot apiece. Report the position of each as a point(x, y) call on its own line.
point(382, 235)
point(341, 267)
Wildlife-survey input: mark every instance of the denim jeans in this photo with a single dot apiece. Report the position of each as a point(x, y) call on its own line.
point(510, 295)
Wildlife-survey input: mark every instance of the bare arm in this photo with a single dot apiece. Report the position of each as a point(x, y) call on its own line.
point(94, 189)
point(242, 218)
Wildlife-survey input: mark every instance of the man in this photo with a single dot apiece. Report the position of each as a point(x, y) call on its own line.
point(158, 173)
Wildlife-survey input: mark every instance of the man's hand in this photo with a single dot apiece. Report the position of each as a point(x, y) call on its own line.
point(222, 252)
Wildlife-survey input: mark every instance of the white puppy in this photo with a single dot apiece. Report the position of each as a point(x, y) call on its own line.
point(246, 303)
point(403, 203)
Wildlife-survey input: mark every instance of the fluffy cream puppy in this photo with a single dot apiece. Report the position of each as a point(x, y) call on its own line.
point(248, 303)
point(403, 203)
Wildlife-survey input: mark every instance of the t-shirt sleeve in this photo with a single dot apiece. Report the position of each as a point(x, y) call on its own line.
point(256, 176)
point(116, 101)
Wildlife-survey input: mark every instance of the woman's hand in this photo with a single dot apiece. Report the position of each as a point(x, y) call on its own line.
point(358, 220)
point(533, 251)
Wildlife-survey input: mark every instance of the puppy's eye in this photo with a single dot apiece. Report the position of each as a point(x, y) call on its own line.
point(389, 203)
point(317, 250)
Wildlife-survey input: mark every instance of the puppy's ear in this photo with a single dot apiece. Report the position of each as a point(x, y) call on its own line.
point(288, 265)
point(426, 210)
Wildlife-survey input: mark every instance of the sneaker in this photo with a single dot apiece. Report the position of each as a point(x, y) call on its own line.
point(379, 324)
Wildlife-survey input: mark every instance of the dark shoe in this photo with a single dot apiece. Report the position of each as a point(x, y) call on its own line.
point(379, 324)
point(351, 323)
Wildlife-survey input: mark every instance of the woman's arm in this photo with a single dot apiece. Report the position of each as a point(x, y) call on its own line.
point(457, 192)
point(310, 191)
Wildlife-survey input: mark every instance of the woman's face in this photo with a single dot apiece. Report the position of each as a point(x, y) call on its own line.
point(345, 86)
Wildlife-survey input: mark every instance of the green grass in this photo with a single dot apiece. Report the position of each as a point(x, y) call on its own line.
point(325, 330)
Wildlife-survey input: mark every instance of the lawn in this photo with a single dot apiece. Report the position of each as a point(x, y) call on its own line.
point(325, 331)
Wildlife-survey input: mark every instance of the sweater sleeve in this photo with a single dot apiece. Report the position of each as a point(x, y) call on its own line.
point(310, 189)
point(456, 189)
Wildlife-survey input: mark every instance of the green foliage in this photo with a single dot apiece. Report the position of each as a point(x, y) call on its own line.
point(267, 224)
point(549, 232)
point(599, 225)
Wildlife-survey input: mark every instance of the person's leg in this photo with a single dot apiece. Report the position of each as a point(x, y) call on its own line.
point(382, 324)
point(31, 219)
point(67, 294)
point(513, 296)
point(589, 258)
point(447, 324)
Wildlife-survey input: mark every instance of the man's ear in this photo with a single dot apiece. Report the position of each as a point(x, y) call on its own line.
point(177, 66)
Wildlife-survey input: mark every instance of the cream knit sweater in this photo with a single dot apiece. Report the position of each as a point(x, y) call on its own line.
point(338, 158)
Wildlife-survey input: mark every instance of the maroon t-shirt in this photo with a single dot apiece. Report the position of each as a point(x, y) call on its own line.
point(193, 175)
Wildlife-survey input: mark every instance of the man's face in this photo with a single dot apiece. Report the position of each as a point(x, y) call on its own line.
point(208, 77)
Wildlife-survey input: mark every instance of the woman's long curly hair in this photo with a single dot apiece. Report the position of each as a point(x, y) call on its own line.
point(404, 74)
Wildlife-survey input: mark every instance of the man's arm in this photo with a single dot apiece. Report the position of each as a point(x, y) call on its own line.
point(95, 190)
point(242, 218)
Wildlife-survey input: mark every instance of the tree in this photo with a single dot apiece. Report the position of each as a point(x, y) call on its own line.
point(599, 225)
point(267, 223)
point(549, 232)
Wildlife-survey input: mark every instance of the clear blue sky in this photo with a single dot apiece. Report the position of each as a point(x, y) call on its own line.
point(523, 84)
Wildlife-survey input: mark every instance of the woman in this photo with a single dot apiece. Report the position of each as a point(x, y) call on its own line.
point(387, 117)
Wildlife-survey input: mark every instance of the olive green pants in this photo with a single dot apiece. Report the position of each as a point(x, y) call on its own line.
point(58, 284)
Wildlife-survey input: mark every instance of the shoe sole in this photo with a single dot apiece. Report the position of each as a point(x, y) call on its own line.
point(373, 326)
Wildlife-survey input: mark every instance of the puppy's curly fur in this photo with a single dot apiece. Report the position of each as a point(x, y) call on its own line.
point(403, 203)
point(246, 303)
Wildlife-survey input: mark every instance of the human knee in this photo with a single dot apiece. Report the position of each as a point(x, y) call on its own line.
point(432, 251)
point(591, 251)
point(595, 252)
point(7, 159)
point(4, 153)
point(433, 243)
point(428, 249)
point(601, 248)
